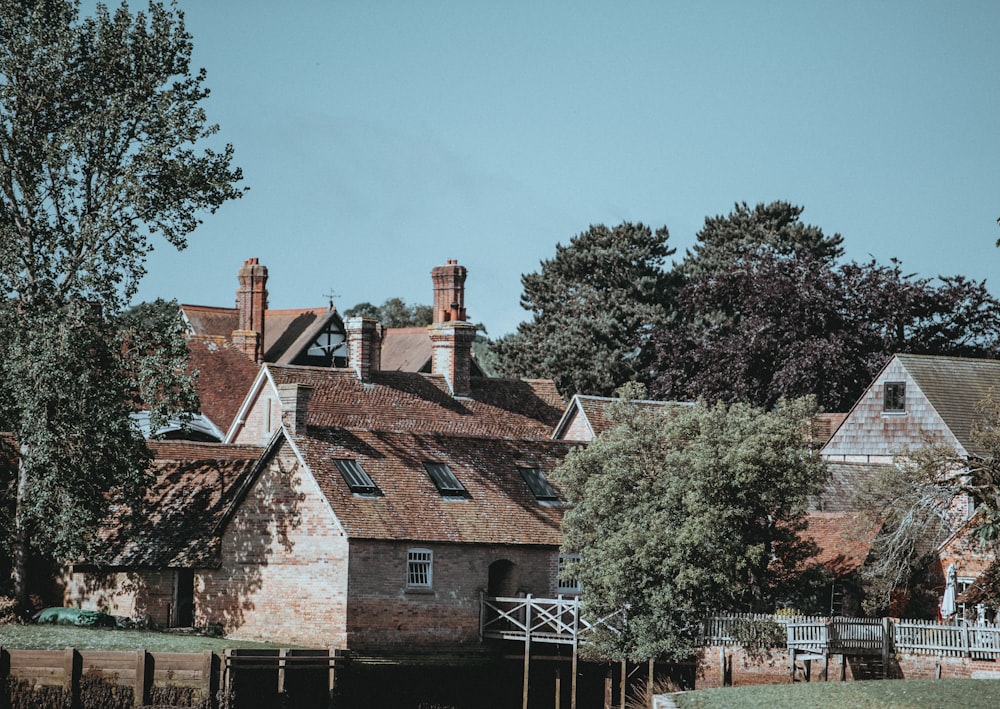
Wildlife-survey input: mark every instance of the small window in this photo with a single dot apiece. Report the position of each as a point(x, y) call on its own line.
point(894, 397)
point(445, 480)
point(539, 485)
point(356, 477)
point(419, 565)
point(567, 585)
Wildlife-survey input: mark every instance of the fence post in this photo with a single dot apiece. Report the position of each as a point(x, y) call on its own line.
point(966, 649)
point(207, 675)
point(482, 615)
point(140, 692)
point(527, 650)
point(72, 669)
point(886, 641)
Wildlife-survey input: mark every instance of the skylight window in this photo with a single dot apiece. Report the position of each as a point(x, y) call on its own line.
point(445, 480)
point(356, 477)
point(540, 487)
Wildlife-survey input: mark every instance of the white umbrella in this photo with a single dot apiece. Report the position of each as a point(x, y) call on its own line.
point(948, 602)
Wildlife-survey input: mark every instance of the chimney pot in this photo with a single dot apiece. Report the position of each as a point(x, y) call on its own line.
point(449, 291)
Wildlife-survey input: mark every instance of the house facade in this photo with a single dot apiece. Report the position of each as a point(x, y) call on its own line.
point(376, 509)
point(915, 401)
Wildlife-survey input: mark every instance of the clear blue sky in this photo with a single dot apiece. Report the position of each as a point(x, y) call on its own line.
point(381, 138)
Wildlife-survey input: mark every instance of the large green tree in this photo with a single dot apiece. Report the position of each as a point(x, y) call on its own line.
point(685, 512)
point(588, 303)
point(766, 311)
point(102, 148)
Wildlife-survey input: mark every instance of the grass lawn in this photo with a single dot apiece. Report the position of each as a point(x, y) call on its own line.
point(882, 694)
point(60, 637)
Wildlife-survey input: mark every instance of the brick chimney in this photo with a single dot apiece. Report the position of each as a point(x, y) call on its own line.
point(251, 302)
point(451, 336)
point(449, 292)
point(364, 346)
point(294, 405)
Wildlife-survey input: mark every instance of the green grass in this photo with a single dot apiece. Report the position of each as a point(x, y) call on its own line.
point(883, 694)
point(60, 637)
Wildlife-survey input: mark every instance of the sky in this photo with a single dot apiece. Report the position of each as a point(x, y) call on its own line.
point(379, 138)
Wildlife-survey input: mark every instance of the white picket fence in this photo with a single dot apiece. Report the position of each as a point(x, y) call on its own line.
point(816, 634)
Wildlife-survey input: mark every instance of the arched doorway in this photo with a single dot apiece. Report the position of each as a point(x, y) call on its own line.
point(502, 580)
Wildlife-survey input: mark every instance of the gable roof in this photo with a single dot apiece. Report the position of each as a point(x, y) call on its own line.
point(837, 494)
point(408, 401)
point(589, 414)
point(225, 374)
point(954, 386)
point(282, 328)
point(195, 484)
point(499, 507)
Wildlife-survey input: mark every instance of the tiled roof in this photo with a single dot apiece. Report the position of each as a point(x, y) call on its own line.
point(195, 483)
point(954, 386)
point(224, 377)
point(838, 492)
point(595, 410)
point(499, 509)
point(824, 425)
point(405, 349)
point(843, 538)
point(281, 327)
point(421, 403)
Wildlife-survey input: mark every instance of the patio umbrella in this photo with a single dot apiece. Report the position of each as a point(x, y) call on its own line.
point(948, 602)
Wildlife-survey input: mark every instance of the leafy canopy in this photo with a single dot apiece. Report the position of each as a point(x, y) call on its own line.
point(587, 305)
point(104, 145)
point(686, 511)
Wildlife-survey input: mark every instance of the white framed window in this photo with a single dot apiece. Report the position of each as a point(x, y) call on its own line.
point(563, 584)
point(419, 568)
point(894, 398)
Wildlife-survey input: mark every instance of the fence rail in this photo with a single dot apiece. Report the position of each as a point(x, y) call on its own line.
point(562, 620)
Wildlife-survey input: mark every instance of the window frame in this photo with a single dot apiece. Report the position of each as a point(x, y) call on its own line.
point(446, 482)
point(358, 488)
point(567, 587)
point(894, 397)
point(534, 478)
point(419, 569)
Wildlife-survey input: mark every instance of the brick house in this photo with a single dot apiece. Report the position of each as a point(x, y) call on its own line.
point(913, 401)
point(377, 507)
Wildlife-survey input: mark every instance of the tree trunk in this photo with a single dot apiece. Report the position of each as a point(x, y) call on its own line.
point(19, 570)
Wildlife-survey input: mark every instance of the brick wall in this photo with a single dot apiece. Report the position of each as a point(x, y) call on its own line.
point(384, 614)
point(262, 419)
point(772, 667)
point(284, 564)
point(132, 594)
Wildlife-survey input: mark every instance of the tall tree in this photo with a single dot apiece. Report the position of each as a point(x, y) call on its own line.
point(774, 228)
point(687, 512)
point(766, 312)
point(102, 136)
point(587, 305)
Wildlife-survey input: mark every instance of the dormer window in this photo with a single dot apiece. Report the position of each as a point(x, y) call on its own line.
point(894, 398)
point(356, 477)
point(539, 486)
point(445, 481)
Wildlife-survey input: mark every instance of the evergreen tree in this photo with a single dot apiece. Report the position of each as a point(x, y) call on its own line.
point(588, 305)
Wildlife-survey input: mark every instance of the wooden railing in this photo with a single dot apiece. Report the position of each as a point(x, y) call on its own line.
point(562, 620)
point(549, 620)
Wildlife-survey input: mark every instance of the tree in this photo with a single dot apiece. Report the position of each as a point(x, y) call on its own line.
point(920, 500)
point(588, 303)
point(745, 232)
point(394, 312)
point(680, 514)
point(765, 312)
point(101, 135)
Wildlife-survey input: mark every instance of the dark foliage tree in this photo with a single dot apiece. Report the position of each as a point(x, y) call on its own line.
point(770, 314)
point(587, 305)
point(100, 128)
point(688, 512)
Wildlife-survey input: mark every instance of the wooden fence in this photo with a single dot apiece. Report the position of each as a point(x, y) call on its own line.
point(199, 675)
point(862, 635)
point(545, 620)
